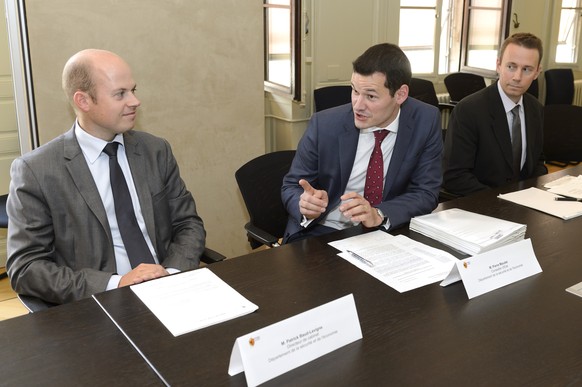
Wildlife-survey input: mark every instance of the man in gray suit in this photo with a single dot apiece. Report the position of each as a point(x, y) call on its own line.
point(64, 242)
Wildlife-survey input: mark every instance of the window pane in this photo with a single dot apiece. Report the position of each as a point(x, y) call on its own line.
point(567, 35)
point(279, 2)
point(279, 46)
point(418, 3)
point(416, 38)
point(483, 38)
point(487, 3)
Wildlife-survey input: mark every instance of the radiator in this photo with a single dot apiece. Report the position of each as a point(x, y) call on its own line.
point(577, 92)
point(444, 98)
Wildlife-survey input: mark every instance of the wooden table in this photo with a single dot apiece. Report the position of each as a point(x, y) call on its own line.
point(527, 333)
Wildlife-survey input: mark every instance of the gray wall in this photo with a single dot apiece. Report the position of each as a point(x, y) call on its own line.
point(198, 65)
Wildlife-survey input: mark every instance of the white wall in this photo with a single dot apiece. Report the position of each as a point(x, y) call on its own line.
point(198, 65)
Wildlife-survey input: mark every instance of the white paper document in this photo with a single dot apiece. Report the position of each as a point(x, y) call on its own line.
point(398, 261)
point(496, 268)
point(544, 201)
point(192, 300)
point(467, 231)
point(288, 344)
point(570, 186)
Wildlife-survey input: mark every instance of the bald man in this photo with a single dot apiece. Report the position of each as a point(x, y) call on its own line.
point(64, 239)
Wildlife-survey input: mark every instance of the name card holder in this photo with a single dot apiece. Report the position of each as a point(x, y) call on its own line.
point(494, 269)
point(288, 344)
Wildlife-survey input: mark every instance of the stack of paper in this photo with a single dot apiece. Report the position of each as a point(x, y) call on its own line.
point(466, 231)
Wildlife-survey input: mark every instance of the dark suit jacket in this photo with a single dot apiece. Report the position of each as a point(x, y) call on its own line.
point(59, 240)
point(326, 153)
point(478, 143)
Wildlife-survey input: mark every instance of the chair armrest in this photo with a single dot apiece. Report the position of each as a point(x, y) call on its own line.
point(262, 237)
point(210, 256)
point(34, 304)
point(446, 106)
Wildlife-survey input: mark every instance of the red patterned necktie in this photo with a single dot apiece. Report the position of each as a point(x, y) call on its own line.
point(375, 173)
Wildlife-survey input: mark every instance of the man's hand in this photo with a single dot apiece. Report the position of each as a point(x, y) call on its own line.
point(144, 272)
point(358, 209)
point(312, 202)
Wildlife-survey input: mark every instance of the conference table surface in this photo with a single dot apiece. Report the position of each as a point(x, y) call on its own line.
point(526, 333)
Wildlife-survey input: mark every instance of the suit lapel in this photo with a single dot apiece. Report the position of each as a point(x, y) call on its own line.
point(500, 126)
point(137, 164)
point(348, 145)
point(401, 146)
point(83, 180)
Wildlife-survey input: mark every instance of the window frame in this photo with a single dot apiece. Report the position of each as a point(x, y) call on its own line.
point(466, 24)
point(294, 90)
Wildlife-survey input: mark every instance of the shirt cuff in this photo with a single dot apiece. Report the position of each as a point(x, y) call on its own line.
point(305, 222)
point(113, 282)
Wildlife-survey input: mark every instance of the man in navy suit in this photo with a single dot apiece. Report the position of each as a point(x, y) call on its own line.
point(478, 147)
point(325, 187)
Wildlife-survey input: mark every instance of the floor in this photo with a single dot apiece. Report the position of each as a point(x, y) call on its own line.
point(10, 306)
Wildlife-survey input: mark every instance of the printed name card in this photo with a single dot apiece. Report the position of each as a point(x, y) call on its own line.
point(288, 344)
point(494, 269)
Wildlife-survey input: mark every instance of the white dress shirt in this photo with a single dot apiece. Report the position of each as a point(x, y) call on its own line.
point(98, 163)
point(366, 141)
point(508, 105)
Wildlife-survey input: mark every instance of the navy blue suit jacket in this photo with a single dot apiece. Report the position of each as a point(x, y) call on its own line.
point(326, 153)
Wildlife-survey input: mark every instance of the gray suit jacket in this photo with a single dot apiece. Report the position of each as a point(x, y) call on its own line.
point(59, 240)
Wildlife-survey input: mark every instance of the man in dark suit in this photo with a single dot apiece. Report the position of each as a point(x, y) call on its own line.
point(479, 140)
point(64, 239)
point(328, 186)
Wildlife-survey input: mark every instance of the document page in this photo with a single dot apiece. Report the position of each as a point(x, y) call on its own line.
point(192, 300)
point(398, 261)
point(545, 201)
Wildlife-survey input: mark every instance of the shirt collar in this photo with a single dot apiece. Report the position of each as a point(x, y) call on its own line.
point(91, 145)
point(392, 127)
point(508, 104)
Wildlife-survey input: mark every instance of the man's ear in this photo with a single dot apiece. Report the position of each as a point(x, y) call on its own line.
point(82, 100)
point(401, 94)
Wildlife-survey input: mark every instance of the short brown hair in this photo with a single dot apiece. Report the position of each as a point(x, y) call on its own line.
point(523, 39)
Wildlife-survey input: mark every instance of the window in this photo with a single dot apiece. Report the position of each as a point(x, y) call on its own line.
point(485, 26)
point(282, 45)
point(569, 31)
point(442, 36)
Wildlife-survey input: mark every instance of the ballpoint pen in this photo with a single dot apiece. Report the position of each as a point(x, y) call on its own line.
point(360, 258)
point(566, 199)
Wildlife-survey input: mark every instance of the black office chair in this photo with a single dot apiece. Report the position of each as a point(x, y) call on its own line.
point(562, 134)
point(559, 86)
point(424, 91)
point(3, 222)
point(534, 88)
point(331, 96)
point(259, 182)
point(460, 85)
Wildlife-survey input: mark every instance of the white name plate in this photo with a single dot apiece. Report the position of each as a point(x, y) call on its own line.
point(491, 270)
point(288, 344)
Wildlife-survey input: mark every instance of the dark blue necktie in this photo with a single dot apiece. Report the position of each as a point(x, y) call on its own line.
point(133, 239)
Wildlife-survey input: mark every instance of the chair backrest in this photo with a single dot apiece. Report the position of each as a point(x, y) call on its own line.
point(460, 85)
point(259, 182)
point(331, 96)
point(424, 91)
point(3, 214)
point(562, 133)
point(559, 86)
point(534, 88)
